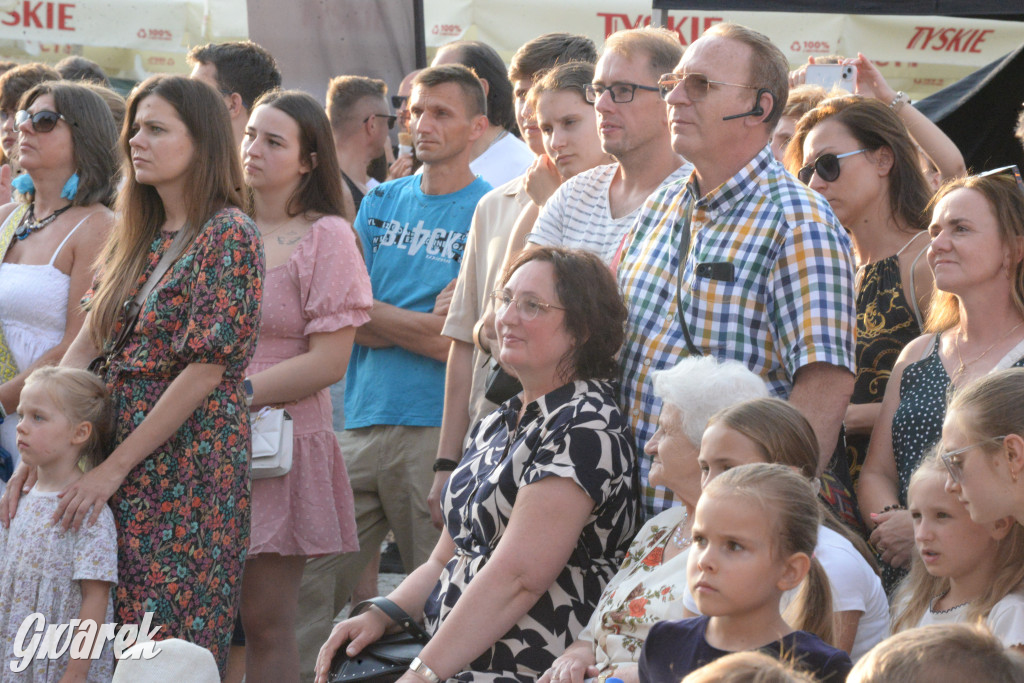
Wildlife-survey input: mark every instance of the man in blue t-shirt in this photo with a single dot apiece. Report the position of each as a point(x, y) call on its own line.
point(413, 232)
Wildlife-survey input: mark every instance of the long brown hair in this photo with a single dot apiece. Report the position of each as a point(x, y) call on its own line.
point(919, 588)
point(319, 191)
point(873, 125)
point(1006, 201)
point(214, 182)
point(93, 137)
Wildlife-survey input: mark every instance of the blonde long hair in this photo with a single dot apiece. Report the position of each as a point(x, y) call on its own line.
point(215, 182)
point(791, 502)
point(919, 588)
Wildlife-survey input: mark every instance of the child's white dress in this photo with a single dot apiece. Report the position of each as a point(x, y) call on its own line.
point(1005, 619)
point(40, 566)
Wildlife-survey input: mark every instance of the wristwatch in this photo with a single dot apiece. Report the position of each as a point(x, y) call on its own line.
point(247, 387)
point(444, 465)
point(418, 667)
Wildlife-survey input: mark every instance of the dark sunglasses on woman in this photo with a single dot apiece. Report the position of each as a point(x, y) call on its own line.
point(826, 166)
point(42, 121)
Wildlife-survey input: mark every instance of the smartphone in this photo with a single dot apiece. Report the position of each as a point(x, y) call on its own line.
point(832, 76)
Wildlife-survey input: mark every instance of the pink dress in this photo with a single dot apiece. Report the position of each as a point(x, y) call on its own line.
point(323, 287)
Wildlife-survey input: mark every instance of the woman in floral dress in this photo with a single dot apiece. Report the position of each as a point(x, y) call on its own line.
point(177, 479)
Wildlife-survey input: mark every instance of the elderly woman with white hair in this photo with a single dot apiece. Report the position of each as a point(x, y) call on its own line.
point(651, 581)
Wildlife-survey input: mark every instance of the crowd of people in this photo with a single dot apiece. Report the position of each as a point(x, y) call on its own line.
point(658, 363)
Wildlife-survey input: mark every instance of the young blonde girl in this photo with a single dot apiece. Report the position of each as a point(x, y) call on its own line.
point(772, 430)
point(961, 571)
point(64, 422)
point(754, 535)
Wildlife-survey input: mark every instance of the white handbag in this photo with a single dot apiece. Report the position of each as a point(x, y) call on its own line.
point(273, 434)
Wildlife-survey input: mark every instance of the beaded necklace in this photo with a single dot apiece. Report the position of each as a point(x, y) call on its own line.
point(29, 224)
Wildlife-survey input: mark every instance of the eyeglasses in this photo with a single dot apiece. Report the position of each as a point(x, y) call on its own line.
point(390, 117)
point(826, 166)
point(621, 92)
point(42, 121)
point(955, 465)
point(398, 101)
point(696, 86)
point(6, 114)
point(529, 307)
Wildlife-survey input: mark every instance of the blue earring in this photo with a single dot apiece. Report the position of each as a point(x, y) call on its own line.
point(70, 187)
point(24, 184)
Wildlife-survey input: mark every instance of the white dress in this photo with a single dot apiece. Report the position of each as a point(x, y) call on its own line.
point(33, 312)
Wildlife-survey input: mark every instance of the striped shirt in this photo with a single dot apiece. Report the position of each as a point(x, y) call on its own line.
point(768, 281)
point(579, 216)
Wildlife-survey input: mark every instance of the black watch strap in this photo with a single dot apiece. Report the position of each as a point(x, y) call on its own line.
point(444, 465)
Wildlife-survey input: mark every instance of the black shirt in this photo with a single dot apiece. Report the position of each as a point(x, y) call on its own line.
point(675, 648)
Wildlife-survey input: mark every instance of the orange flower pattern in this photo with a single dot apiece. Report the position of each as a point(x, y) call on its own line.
point(183, 512)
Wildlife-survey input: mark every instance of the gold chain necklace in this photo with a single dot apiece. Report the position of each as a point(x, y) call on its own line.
point(956, 344)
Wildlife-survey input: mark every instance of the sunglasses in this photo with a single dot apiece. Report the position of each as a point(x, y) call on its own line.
point(42, 121)
point(826, 166)
point(1011, 171)
point(621, 92)
point(390, 117)
point(398, 101)
point(696, 86)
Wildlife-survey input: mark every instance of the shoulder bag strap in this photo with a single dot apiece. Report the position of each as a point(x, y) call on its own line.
point(8, 366)
point(684, 252)
point(134, 307)
point(396, 614)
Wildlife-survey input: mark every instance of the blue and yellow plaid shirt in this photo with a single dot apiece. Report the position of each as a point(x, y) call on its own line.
point(787, 302)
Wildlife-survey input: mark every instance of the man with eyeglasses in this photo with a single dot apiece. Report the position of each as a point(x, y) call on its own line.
point(594, 209)
point(741, 260)
point(358, 110)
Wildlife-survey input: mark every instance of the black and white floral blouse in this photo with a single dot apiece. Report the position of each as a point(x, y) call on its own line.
point(578, 432)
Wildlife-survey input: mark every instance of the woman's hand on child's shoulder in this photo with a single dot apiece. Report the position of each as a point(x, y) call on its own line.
point(90, 493)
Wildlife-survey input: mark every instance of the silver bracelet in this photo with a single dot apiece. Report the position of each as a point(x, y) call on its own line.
point(418, 667)
point(898, 101)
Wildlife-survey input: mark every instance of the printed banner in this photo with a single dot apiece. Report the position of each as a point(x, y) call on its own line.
point(128, 38)
point(917, 54)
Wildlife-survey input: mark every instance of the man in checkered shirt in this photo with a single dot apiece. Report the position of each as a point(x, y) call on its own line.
point(768, 276)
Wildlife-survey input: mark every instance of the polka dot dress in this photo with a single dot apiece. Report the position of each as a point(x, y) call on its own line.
point(917, 424)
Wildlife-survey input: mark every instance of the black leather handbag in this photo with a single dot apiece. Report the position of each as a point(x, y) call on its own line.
point(385, 660)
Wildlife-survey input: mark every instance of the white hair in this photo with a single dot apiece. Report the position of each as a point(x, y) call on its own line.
point(700, 387)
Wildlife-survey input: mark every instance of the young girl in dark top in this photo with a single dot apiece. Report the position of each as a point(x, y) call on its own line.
point(754, 535)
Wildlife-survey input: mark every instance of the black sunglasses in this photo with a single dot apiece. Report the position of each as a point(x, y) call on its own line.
point(398, 101)
point(42, 121)
point(390, 117)
point(826, 166)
